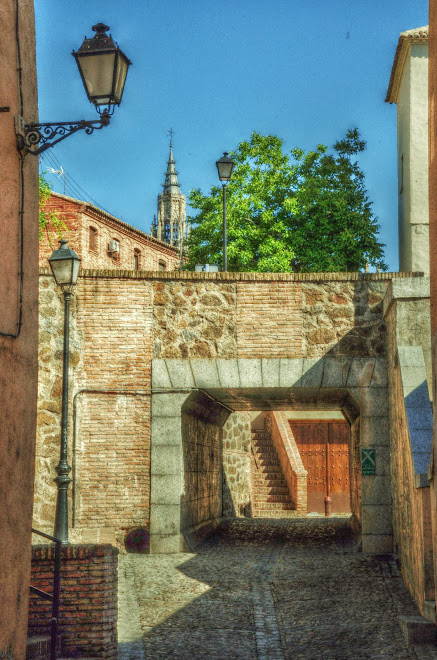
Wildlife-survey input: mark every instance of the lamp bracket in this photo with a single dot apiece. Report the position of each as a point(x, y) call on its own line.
point(36, 138)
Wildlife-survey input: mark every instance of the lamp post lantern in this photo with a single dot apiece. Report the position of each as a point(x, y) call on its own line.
point(103, 68)
point(64, 263)
point(225, 166)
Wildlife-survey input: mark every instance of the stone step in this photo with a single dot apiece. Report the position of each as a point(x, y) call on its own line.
point(270, 490)
point(278, 506)
point(273, 485)
point(283, 498)
point(263, 513)
point(269, 474)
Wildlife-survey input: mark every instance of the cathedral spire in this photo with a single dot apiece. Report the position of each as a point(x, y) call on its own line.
point(171, 183)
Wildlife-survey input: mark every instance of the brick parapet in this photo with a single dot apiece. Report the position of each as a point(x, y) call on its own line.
point(291, 462)
point(88, 609)
point(240, 277)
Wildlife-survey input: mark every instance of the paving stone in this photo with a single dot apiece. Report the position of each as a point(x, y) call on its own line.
point(266, 589)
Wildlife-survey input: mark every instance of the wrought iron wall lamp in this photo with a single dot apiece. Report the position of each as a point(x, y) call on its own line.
point(103, 68)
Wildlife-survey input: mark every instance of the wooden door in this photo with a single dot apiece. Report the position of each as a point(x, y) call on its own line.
point(324, 449)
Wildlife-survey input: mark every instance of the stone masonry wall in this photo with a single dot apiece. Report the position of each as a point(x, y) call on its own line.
point(88, 610)
point(121, 319)
point(236, 465)
point(343, 318)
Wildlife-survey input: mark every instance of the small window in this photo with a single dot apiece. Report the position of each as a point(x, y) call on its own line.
point(93, 239)
point(137, 259)
point(162, 265)
point(114, 249)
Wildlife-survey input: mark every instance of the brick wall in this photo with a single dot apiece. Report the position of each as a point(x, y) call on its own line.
point(88, 608)
point(120, 320)
point(202, 493)
point(269, 321)
point(79, 217)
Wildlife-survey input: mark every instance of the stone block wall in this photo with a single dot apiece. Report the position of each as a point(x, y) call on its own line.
point(291, 462)
point(88, 608)
point(236, 465)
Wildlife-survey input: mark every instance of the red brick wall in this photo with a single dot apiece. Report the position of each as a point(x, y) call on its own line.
point(88, 609)
point(79, 217)
point(269, 319)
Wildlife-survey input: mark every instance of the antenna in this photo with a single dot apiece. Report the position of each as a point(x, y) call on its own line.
point(60, 173)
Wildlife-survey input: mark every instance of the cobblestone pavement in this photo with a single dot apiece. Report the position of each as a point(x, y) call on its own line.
point(265, 590)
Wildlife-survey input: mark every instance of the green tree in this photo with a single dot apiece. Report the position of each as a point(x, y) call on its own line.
point(298, 212)
point(49, 223)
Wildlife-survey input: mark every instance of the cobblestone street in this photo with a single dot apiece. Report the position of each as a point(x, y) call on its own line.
point(265, 590)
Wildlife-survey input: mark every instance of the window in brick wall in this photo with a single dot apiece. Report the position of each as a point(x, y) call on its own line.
point(114, 249)
point(137, 259)
point(93, 239)
point(162, 265)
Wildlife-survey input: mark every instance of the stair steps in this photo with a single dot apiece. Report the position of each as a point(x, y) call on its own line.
point(269, 491)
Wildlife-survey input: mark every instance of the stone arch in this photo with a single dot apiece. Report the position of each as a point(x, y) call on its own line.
point(207, 390)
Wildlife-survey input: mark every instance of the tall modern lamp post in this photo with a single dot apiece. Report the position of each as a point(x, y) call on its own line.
point(225, 166)
point(103, 69)
point(64, 263)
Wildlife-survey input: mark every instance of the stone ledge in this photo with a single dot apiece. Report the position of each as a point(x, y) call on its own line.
point(417, 630)
point(238, 277)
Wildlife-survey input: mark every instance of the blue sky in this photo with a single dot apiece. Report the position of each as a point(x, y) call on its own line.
point(215, 72)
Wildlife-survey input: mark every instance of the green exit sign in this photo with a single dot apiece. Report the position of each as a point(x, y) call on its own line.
point(368, 461)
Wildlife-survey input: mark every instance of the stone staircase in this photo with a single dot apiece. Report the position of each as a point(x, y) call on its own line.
point(270, 496)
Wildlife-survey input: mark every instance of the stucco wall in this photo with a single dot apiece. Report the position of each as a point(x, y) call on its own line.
point(412, 113)
point(19, 320)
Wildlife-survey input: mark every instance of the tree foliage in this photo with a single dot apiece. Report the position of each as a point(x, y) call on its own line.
point(289, 212)
point(49, 223)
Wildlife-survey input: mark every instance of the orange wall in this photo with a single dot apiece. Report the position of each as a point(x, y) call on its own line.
point(18, 302)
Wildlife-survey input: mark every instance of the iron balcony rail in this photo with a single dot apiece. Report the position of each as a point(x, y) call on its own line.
point(54, 598)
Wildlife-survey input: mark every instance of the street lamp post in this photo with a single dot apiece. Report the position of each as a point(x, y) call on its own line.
point(64, 263)
point(225, 166)
point(103, 68)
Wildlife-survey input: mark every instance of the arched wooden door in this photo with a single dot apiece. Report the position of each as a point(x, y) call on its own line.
point(324, 446)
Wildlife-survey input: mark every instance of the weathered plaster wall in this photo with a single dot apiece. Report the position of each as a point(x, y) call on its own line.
point(18, 323)
point(236, 465)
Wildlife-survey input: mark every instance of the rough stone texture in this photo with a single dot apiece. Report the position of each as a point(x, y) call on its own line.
point(194, 319)
point(236, 465)
point(343, 318)
point(272, 590)
point(88, 610)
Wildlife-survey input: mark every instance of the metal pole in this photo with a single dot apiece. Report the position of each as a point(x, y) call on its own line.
point(225, 256)
point(63, 469)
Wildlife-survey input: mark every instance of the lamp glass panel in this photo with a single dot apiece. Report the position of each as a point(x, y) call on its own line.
point(98, 74)
point(120, 77)
point(62, 270)
point(225, 170)
point(75, 274)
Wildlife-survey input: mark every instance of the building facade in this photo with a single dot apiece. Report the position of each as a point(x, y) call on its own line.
point(103, 241)
point(408, 88)
point(18, 324)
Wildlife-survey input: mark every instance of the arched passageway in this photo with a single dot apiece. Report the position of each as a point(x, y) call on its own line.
point(191, 401)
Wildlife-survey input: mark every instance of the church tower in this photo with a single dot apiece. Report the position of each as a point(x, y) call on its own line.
point(171, 225)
